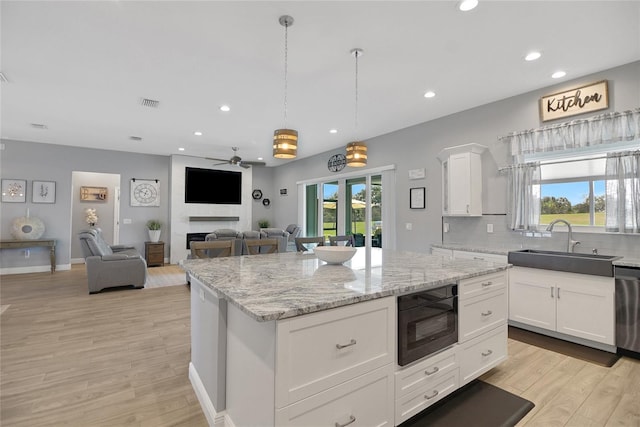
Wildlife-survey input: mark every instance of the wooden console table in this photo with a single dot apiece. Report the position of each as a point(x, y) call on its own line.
point(24, 244)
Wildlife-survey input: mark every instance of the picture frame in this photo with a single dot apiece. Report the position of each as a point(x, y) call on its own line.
point(94, 194)
point(14, 190)
point(43, 191)
point(417, 198)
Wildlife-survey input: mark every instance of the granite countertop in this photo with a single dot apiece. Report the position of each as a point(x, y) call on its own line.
point(278, 286)
point(622, 262)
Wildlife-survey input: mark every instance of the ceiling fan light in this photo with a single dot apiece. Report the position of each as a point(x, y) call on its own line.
point(356, 154)
point(285, 143)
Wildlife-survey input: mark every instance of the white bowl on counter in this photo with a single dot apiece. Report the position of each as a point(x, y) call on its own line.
point(334, 254)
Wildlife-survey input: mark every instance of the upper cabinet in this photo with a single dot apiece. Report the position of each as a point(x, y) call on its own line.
point(462, 180)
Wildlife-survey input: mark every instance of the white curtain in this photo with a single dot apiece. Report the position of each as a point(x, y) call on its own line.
point(601, 129)
point(623, 192)
point(524, 183)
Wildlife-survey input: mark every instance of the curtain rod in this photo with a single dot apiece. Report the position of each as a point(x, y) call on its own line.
point(619, 154)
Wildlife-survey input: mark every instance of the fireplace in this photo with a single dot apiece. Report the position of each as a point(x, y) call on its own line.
point(195, 237)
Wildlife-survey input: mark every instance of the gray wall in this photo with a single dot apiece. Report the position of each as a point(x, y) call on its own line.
point(410, 148)
point(418, 146)
point(47, 162)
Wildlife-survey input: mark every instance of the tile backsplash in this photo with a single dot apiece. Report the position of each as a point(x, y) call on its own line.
point(472, 232)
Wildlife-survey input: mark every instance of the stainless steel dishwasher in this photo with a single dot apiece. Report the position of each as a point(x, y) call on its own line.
point(628, 311)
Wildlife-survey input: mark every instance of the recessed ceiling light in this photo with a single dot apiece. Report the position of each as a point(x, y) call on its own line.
point(429, 94)
point(467, 5)
point(197, 133)
point(558, 75)
point(225, 108)
point(532, 56)
point(260, 158)
point(180, 149)
point(333, 131)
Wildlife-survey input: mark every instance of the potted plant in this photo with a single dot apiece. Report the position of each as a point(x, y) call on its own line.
point(263, 223)
point(155, 228)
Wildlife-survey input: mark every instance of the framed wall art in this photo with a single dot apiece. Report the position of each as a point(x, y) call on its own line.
point(93, 194)
point(43, 192)
point(417, 198)
point(14, 190)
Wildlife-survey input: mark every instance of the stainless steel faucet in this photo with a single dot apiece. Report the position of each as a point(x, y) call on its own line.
point(571, 244)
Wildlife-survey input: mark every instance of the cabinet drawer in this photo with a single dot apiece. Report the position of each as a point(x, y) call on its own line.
point(416, 376)
point(155, 250)
point(364, 401)
point(415, 402)
point(480, 314)
point(482, 285)
point(482, 353)
point(321, 350)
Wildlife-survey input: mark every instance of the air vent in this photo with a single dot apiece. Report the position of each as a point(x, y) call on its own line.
point(38, 126)
point(151, 103)
point(3, 78)
point(135, 138)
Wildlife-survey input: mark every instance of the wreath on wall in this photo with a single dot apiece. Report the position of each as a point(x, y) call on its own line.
point(27, 228)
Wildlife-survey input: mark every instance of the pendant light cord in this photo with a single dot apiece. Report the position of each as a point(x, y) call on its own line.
point(286, 57)
point(356, 118)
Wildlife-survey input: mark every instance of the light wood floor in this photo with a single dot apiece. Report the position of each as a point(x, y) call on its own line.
point(120, 358)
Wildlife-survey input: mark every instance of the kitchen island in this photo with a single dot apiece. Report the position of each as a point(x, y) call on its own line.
point(284, 339)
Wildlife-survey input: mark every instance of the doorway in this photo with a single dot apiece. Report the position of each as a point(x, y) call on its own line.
point(106, 207)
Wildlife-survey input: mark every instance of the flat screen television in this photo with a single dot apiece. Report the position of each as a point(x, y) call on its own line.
point(212, 186)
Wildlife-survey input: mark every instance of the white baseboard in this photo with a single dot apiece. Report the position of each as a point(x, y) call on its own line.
point(77, 260)
point(215, 419)
point(33, 269)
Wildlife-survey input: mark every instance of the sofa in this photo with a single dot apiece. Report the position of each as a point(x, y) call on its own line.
point(227, 234)
point(111, 266)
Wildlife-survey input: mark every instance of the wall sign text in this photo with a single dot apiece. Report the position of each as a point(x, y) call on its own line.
point(580, 100)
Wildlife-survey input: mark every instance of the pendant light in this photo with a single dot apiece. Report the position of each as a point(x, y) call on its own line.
point(285, 141)
point(356, 150)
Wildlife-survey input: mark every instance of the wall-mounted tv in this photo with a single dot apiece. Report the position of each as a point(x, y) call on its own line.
point(212, 186)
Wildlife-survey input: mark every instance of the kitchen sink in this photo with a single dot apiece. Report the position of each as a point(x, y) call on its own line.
point(598, 265)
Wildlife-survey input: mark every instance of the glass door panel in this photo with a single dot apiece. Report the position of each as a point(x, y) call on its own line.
point(330, 209)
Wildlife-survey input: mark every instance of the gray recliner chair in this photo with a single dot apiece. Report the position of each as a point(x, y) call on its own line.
point(111, 266)
point(276, 233)
point(227, 234)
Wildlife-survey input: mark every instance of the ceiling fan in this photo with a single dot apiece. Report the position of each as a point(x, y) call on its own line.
point(236, 160)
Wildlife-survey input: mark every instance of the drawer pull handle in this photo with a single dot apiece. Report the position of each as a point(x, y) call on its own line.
point(352, 420)
point(488, 353)
point(478, 257)
point(552, 292)
point(435, 369)
point(435, 393)
point(489, 283)
point(341, 346)
point(487, 313)
point(558, 292)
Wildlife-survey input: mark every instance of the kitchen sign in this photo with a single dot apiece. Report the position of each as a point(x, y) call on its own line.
point(584, 99)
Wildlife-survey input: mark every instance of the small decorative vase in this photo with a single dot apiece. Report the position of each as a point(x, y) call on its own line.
point(154, 235)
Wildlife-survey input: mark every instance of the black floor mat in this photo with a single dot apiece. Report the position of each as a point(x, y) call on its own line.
point(588, 354)
point(477, 404)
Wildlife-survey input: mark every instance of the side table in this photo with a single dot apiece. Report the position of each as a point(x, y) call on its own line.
point(154, 254)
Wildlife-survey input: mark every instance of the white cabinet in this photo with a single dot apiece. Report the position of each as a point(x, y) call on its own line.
point(483, 353)
point(577, 305)
point(364, 401)
point(324, 349)
point(462, 180)
point(482, 324)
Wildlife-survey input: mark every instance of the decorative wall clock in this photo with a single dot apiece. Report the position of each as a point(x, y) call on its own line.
point(257, 194)
point(145, 192)
point(337, 162)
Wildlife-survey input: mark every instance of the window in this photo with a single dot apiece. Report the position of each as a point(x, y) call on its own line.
point(573, 186)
